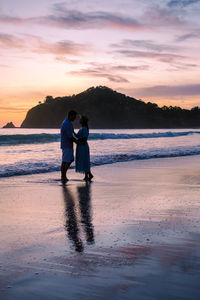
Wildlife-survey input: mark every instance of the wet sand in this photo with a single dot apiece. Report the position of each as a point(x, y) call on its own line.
point(133, 233)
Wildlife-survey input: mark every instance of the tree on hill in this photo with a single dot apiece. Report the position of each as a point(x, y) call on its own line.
point(48, 99)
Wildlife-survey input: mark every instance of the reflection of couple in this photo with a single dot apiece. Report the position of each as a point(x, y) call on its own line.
point(71, 224)
point(68, 136)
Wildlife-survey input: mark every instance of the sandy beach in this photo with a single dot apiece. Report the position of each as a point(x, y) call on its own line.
point(133, 233)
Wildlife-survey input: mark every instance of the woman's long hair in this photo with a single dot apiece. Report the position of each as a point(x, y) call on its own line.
point(84, 122)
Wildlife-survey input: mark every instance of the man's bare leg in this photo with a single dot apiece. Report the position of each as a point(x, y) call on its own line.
point(64, 167)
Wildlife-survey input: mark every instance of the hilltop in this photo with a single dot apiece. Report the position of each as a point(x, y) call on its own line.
point(107, 108)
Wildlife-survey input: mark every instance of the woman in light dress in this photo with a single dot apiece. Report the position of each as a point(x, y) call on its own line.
point(83, 151)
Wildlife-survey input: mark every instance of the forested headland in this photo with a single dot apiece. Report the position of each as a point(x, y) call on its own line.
point(107, 108)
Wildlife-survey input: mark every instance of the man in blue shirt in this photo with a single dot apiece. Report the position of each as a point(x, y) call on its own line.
point(67, 143)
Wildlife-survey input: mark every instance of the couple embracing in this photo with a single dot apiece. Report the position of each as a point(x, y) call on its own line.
point(68, 137)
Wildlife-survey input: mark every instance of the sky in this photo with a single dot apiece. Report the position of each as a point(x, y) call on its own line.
point(147, 49)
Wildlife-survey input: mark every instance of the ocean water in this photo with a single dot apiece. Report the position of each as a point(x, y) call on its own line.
point(30, 151)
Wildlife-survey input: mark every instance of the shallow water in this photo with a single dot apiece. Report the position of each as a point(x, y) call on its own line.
point(29, 151)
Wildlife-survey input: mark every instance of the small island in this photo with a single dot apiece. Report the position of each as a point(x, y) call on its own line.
point(9, 125)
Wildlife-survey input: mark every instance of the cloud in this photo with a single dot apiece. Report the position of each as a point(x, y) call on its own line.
point(182, 3)
point(144, 44)
point(12, 20)
point(14, 109)
point(101, 71)
point(162, 57)
point(65, 18)
point(187, 36)
point(61, 48)
point(5, 66)
point(66, 60)
point(109, 72)
point(130, 68)
point(74, 19)
point(38, 45)
point(155, 51)
point(91, 73)
point(162, 17)
point(168, 91)
point(117, 78)
point(102, 67)
point(182, 66)
point(10, 41)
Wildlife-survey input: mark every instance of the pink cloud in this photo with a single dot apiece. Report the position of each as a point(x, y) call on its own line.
point(37, 45)
point(66, 60)
point(12, 20)
point(62, 48)
point(10, 41)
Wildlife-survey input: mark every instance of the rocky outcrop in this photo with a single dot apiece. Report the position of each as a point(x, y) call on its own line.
point(9, 125)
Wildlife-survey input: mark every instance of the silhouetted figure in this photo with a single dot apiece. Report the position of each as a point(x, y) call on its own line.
point(71, 219)
point(85, 209)
point(83, 151)
point(67, 139)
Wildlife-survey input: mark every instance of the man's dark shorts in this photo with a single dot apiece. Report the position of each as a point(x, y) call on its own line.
point(67, 155)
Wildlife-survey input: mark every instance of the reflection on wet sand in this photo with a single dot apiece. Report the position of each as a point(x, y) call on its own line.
point(72, 224)
point(85, 209)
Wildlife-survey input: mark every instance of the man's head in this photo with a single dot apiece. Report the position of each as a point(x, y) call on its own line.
point(72, 115)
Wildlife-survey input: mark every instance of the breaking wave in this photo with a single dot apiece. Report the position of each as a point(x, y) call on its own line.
point(35, 167)
point(18, 139)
